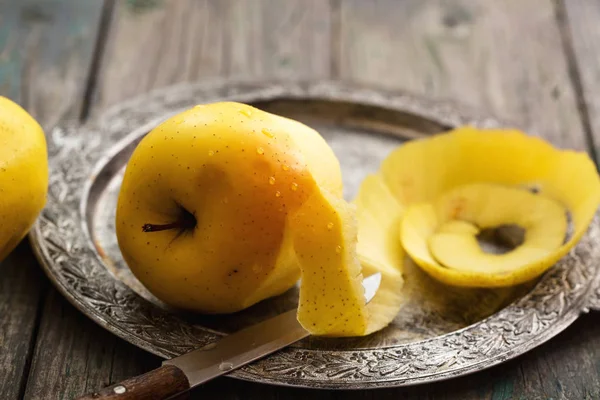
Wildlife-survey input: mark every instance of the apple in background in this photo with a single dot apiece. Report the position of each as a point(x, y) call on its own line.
point(23, 173)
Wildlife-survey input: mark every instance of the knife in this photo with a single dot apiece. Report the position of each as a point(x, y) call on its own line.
point(178, 375)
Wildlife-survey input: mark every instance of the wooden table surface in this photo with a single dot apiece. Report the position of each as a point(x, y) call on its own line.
point(536, 62)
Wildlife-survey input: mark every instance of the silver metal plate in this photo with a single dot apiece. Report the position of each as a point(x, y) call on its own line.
point(438, 334)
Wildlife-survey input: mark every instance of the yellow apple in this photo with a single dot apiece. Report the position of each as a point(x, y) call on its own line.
point(225, 205)
point(202, 211)
point(23, 173)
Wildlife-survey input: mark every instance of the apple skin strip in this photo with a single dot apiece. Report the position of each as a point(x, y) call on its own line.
point(337, 244)
point(421, 171)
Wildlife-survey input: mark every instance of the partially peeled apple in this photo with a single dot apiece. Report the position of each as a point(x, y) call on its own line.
point(225, 205)
point(457, 185)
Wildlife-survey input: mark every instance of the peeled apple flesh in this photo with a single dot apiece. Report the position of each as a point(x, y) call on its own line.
point(450, 237)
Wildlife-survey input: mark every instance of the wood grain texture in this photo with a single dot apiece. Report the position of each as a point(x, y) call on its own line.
point(22, 286)
point(279, 39)
point(159, 44)
point(74, 356)
point(161, 383)
point(187, 40)
point(582, 34)
point(502, 56)
point(45, 52)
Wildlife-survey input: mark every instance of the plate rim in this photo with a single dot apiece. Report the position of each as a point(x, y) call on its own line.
point(372, 367)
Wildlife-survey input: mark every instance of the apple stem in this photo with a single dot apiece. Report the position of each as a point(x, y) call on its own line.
point(164, 227)
point(186, 221)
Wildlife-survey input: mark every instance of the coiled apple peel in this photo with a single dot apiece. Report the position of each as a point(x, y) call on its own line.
point(455, 185)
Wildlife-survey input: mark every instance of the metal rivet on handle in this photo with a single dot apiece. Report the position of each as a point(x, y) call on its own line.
point(119, 389)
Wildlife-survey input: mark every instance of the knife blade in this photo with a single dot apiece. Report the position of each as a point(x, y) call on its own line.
point(249, 344)
point(189, 370)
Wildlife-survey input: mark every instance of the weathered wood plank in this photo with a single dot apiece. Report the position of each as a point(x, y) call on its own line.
point(279, 39)
point(160, 44)
point(53, 372)
point(501, 56)
point(129, 361)
point(22, 286)
point(186, 40)
point(45, 51)
point(73, 355)
point(580, 27)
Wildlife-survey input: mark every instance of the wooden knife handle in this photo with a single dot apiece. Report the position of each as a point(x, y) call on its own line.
point(159, 384)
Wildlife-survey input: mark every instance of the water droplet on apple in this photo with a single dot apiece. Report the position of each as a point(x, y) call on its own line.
point(260, 150)
point(272, 180)
point(211, 153)
point(294, 186)
point(338, 249)
point(285, 167)
point(267, 133)
point(330, 226)
point(278, 194)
